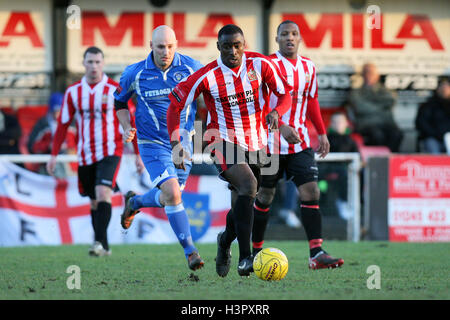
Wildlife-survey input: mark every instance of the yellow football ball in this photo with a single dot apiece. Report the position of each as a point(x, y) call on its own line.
point(270, 264)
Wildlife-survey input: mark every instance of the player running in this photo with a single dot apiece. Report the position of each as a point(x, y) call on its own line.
point(152, 80)
point(234, 91)
point(100, 145)
point(292, 142)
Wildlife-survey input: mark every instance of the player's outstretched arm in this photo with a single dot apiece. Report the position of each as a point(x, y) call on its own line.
point(173, 128)
point(324, 146)
point(181, 97)
point(123, 114)
point(58, 139)
point(64, 120)
point(313, 112)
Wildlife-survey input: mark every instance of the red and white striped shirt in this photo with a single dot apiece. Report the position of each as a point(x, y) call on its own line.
point(302, 77)
point(98, 129)
point(235, 101)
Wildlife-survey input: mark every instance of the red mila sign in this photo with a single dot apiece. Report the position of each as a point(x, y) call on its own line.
point(133, 22)
point(20, 25)
point(333, 24)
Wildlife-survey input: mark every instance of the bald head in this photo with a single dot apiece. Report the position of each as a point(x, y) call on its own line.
point(163, 45)
point(163, 33)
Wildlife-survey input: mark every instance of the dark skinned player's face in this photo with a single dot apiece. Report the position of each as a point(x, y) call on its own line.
point(288, 39)
point(231, 47)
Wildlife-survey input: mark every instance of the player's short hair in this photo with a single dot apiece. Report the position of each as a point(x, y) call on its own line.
point(229, 29)
point(93, 50)
point(286, 22)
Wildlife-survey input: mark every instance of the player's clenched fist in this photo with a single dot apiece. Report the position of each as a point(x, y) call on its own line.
point(129, 134)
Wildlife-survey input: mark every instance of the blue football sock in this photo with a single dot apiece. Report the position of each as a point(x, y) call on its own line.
point(179, 222)
point(147, 200)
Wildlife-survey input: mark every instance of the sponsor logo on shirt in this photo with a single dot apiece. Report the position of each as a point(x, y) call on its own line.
point(179, 76)
point(157, 92)
point(239, 98)
point(252, 76)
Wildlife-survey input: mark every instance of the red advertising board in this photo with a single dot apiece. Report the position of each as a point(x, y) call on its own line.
point(419, 198)
point(123, 29)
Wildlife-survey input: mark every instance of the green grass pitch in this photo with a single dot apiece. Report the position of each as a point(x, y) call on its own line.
point(407, 271)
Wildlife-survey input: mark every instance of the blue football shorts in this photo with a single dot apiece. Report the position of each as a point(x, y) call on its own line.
point(158, 162)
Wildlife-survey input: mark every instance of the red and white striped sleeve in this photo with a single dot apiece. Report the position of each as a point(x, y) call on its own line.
point(313, 107)
point(278, 85)
point(313, 89)
point(182, 95)
point(64, 121)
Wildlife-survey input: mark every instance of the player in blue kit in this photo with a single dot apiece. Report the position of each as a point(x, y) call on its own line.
point(152, 80)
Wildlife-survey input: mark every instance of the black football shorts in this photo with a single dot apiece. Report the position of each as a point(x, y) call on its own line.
point(300, 167)
point(103, 172)
point(226, 154)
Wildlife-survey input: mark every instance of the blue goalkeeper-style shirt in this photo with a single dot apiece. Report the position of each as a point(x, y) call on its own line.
point(152, 87)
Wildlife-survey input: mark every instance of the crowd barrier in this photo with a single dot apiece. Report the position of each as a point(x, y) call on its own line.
point(39, 209)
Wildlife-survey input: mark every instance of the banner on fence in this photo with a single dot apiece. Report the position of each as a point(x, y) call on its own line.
point(419, 198)
point(40, 210)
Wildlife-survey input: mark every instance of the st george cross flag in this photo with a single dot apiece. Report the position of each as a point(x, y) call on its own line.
point(41, 210)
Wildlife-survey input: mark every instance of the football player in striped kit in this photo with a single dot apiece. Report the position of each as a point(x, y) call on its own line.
point(235, 94)
point(90, 102)
point(292, 143)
